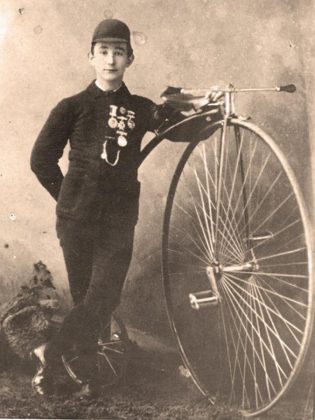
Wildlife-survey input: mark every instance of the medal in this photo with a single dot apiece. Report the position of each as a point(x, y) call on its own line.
point(121, 125)
point(112, 122)
point(131, 124)
point(122, 141)
point(113, 110)
point(120, 120)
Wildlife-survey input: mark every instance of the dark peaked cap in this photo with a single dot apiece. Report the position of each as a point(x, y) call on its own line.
point(111, 30)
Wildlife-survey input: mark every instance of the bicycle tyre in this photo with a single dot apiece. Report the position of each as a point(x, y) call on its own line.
point(247, 350)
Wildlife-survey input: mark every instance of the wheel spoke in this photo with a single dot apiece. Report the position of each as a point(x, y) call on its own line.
point(270, 290)
point(234, 207)
point(205, 212)
point(208, 195)
point(280, 254)
point(207, 239)
point(284, 264)
point(253, 189)
point(227, 341)
point(283, 202)
point(237, 362)
point(109, 349)
point(177, 251)
point(257, 334)
point(253, 354)
point(236, 304)
point(233, 236)
point(295, 276)
point(240, 195)
point(260, 299)
point(260, 202)
point(72, 360)
point(279, 232)
point(201, 248)
point(267, 326)
point(110, 364)
point(233, 184)
point(262, 352)
point(281, 316)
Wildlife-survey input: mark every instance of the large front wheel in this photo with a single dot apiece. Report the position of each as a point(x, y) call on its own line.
point(237, 267)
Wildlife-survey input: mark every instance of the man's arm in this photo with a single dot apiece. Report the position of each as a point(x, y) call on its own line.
point(49, 147)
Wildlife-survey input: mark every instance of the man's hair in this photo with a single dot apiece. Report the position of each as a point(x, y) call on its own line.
point(129, 49)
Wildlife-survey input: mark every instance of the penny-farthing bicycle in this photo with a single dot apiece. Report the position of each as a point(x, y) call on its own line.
point(236, 258)
point(237, 262)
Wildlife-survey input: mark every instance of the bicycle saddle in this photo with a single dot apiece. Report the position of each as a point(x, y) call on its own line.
point(177, 98)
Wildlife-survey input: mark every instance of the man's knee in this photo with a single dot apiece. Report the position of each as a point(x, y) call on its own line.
point(105, 301)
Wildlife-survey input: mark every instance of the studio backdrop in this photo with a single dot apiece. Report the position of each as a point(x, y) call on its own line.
point(192, 43)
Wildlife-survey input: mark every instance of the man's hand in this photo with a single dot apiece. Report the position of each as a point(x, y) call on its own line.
point(214, 94)
point(186, 100)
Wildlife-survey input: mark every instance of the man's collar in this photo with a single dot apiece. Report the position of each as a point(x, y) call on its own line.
point(96, 92)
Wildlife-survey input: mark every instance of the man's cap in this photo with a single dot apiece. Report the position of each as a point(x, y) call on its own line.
point(111, 30)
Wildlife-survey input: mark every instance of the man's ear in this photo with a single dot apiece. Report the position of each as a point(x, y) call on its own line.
point(90, 57)
point(130, 59)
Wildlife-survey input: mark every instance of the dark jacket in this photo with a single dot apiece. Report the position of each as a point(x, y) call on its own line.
point(92, 186)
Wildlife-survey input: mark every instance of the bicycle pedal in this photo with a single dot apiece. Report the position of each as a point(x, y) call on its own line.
point(260, 237)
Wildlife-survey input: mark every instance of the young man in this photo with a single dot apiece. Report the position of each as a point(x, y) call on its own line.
point(98, 199)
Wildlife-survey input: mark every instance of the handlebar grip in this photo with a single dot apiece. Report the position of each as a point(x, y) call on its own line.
point(287, 88)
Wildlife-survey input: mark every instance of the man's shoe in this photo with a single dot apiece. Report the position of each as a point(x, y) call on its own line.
point(90, 390)
point(42, 380)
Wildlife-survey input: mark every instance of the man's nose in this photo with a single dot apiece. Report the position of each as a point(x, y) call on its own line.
point(110, 58)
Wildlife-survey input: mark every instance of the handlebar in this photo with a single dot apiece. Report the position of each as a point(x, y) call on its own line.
point(183, 99)
point(287, 88)
point(204, 92)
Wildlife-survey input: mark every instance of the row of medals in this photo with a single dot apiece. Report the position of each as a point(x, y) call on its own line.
point(121, 122)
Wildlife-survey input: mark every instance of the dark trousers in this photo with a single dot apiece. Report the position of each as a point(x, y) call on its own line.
point(97, 256)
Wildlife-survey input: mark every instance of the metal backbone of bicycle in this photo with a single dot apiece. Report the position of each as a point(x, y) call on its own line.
point(236, 257)
point(236, 260)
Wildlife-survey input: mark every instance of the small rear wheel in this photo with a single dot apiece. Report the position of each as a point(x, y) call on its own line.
point(112, 354)
point(237, 267)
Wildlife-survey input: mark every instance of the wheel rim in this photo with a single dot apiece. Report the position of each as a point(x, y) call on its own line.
point(251, 229)
point(112, 355)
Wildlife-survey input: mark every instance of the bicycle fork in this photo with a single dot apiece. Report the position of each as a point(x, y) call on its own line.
point(216, 271)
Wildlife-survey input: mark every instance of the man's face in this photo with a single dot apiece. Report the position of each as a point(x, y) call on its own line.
point(110, 60)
